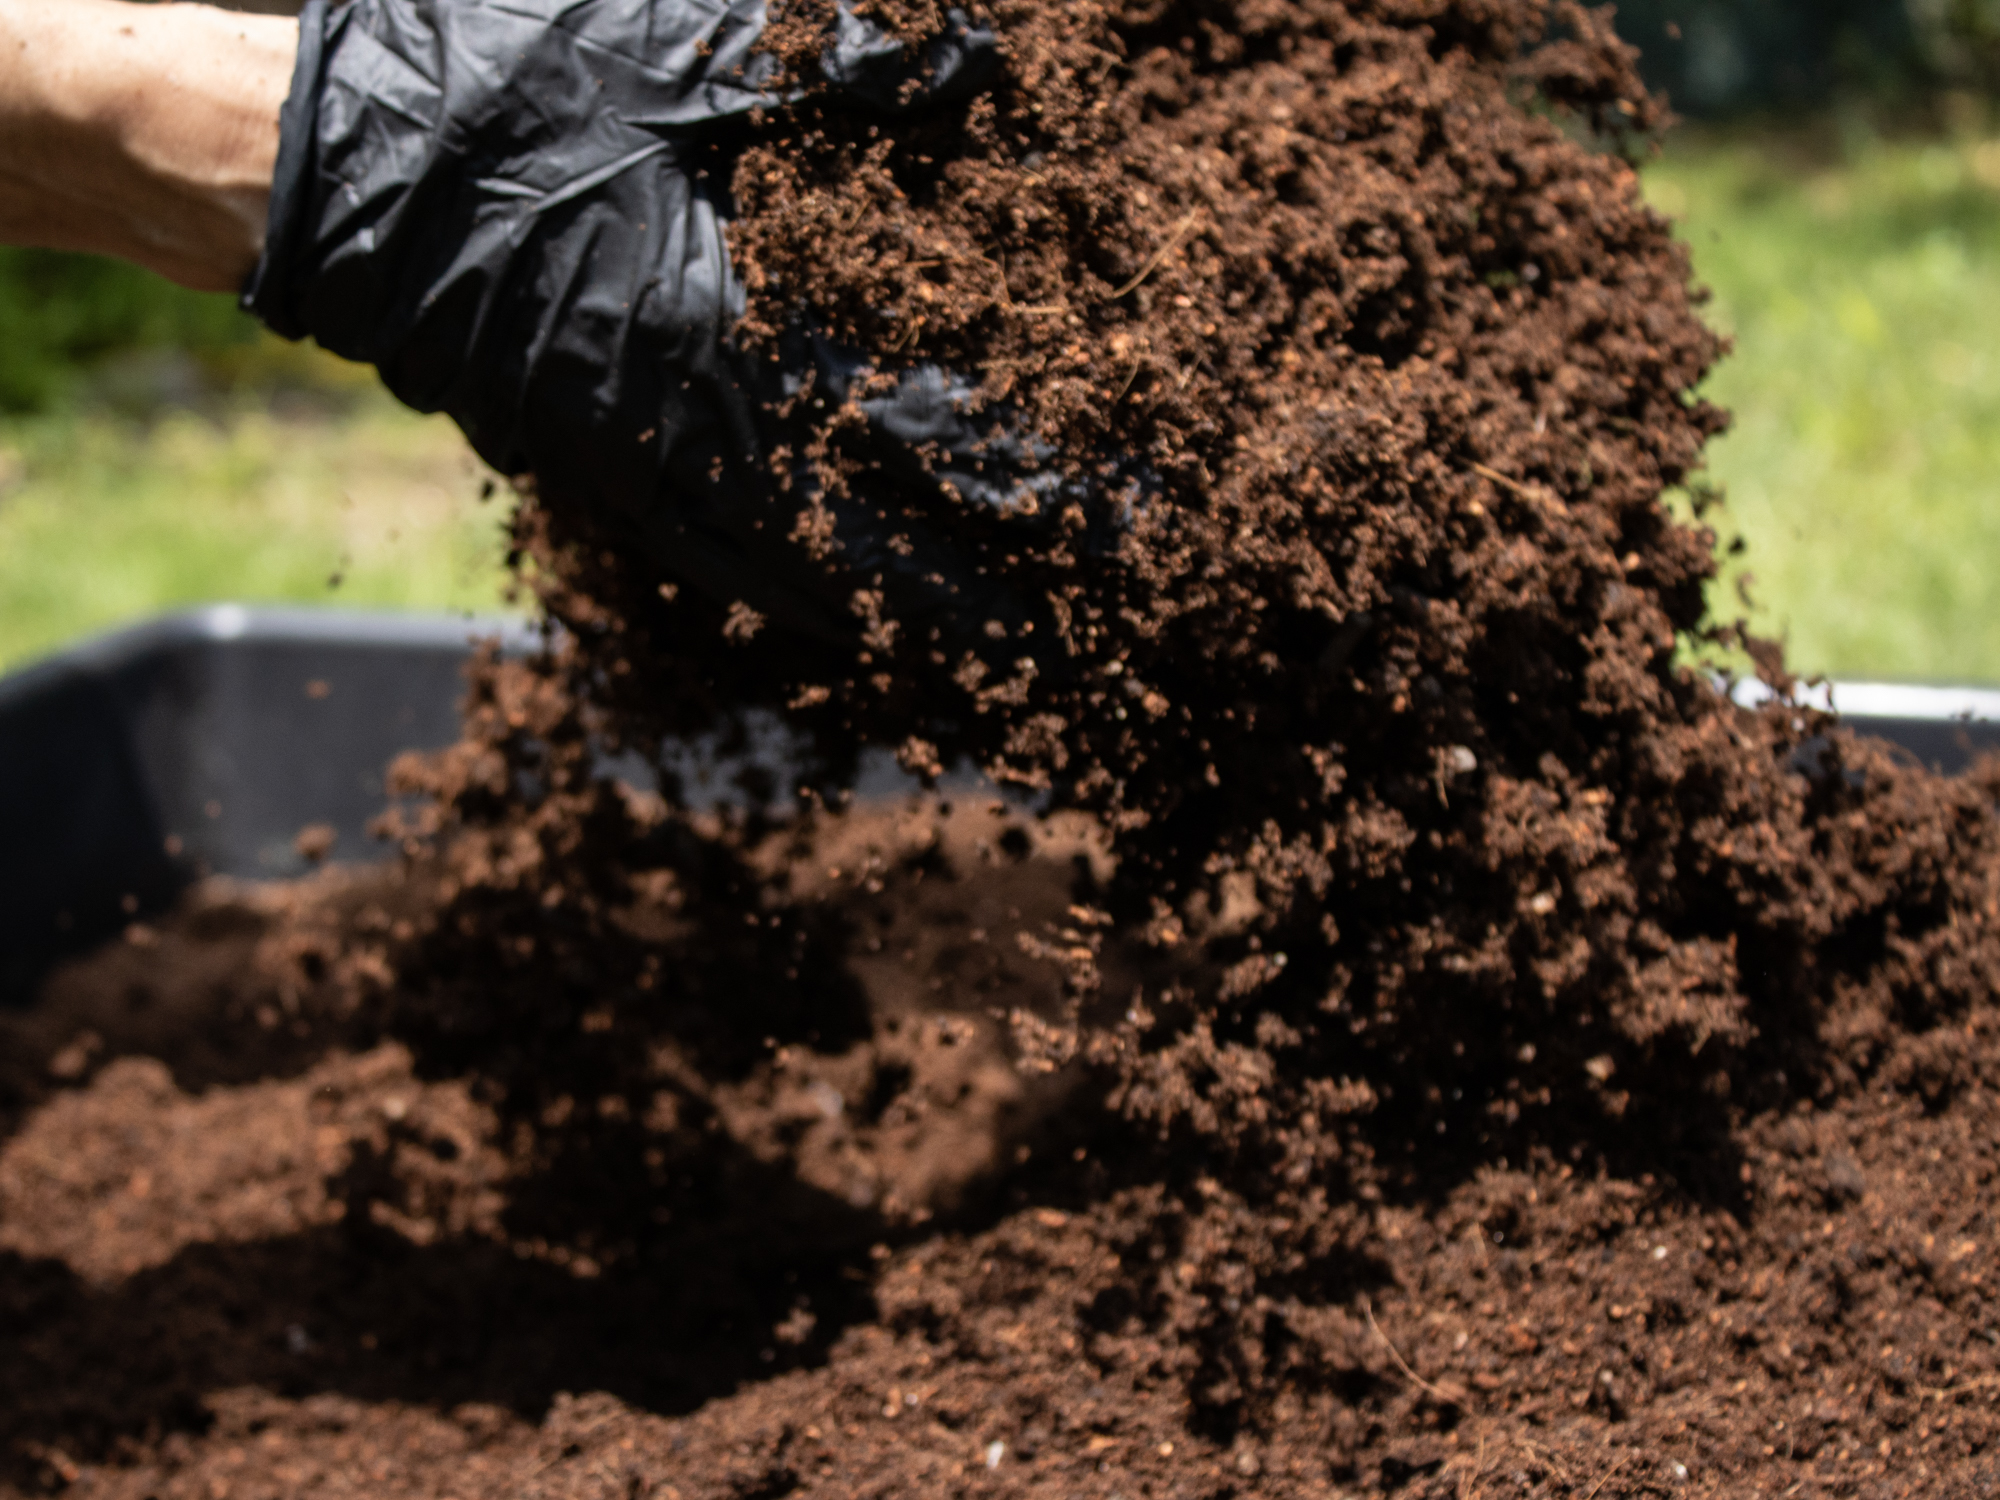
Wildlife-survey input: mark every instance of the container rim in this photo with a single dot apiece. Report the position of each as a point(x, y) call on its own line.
point(1934, 703)
point(274, 623)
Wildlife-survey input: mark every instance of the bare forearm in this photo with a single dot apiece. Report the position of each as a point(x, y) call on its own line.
point(142, 131)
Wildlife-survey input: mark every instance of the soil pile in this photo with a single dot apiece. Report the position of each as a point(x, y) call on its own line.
point(1418, 1036)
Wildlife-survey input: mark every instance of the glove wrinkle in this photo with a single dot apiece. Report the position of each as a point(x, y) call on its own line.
point(540, 201)
point(517, 212)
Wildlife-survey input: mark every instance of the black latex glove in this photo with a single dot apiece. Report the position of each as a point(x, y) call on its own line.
point(515, 211)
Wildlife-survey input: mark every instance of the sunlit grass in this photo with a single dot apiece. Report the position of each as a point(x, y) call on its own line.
point(1862, 287)
point(108, 518)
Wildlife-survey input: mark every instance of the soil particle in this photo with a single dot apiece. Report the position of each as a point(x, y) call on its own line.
point(1402, 1030)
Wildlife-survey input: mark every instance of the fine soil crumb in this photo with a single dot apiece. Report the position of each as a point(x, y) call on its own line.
point(1402, 1030)
point(276, 1257)
point(315, 842)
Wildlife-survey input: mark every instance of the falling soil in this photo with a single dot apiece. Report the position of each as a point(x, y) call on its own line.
point(1385, 1023)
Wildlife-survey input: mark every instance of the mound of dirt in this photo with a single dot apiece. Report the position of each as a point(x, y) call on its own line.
point(701, 1239)
point(1403, 1030)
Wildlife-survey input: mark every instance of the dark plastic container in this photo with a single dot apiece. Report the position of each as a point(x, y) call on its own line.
point(204, 743)
point(1943, 727)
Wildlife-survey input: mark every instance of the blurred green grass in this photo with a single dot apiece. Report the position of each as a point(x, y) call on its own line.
point(1860, 279)
point(105, 521)
point(157, 450)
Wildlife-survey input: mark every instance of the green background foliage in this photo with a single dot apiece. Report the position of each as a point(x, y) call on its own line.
point(1727, 58)
point(59, 313)
point(158, 450)
point(1860, 281)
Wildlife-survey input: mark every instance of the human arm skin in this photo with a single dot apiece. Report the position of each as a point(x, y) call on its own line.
point(148, 132)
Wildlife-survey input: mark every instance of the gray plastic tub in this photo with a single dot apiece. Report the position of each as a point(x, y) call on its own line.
point(202, 744)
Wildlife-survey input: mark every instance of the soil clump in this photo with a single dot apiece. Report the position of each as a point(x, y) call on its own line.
point(1403, 1030)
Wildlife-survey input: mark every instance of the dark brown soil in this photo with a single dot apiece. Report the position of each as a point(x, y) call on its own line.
point(257, 1243)
point(1417, 1037)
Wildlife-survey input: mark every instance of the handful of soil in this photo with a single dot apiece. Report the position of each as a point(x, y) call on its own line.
point(1355, 619)
point(1413, 1034)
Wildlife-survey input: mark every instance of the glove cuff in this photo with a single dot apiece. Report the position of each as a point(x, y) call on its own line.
point(267, 294)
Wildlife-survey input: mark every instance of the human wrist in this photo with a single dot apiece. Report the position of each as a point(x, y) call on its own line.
point(143, 131)
point(192, 104)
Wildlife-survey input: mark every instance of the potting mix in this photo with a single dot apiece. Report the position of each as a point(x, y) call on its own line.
point(1380, 1021)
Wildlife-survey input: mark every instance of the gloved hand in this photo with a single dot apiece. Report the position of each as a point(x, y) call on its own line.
point(516, 212)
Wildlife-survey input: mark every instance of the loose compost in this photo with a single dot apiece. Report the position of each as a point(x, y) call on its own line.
point(1385, 1024)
